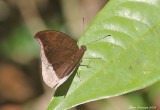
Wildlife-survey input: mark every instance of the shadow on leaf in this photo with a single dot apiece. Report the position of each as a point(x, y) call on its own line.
point(63, 89)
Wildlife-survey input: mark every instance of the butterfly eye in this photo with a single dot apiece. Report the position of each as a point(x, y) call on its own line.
point(83, 47)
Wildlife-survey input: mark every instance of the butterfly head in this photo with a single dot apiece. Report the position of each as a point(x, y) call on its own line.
point(83, 47)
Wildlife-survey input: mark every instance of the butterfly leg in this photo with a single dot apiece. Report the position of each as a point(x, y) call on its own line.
point(88, 66)
point(88, 59)
point(78, 74)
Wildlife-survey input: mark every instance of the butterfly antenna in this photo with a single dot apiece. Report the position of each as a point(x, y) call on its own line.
point(83, 32)
point(98, 40)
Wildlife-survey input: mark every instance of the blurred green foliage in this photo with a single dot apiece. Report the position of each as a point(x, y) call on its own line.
point(20, 44)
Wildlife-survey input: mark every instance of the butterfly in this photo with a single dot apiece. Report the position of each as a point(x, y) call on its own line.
point(60, 56)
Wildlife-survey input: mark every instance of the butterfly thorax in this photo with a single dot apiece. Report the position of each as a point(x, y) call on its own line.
point(79, 54)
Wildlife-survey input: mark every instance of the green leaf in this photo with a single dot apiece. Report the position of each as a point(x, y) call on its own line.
point(20, 45)
point(126, 61)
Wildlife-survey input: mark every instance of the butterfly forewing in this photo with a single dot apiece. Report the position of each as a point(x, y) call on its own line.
point(57, 47)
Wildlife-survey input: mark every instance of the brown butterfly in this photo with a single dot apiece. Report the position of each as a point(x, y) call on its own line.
point(60, 56)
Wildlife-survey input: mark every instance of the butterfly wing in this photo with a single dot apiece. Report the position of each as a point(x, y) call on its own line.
point(56, 48)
